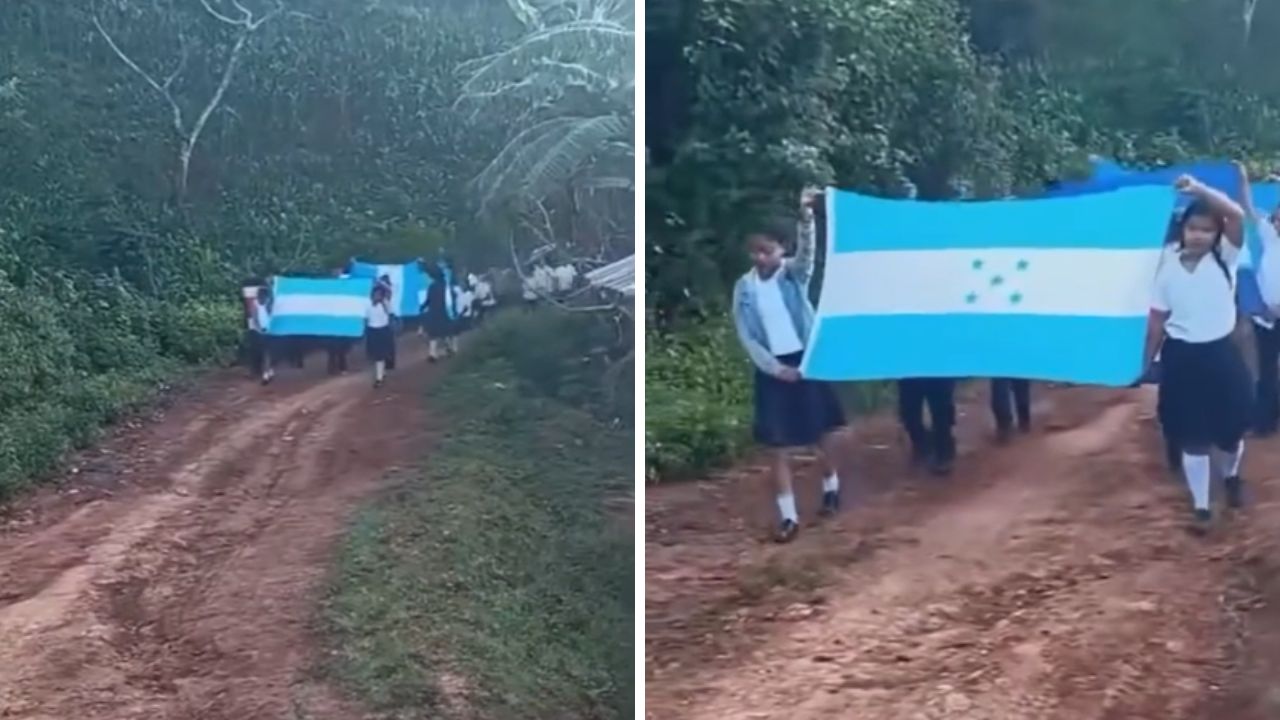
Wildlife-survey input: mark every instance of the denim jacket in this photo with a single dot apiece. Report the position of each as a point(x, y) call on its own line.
point(794, 283)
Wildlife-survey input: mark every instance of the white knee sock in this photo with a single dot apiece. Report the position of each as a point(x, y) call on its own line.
point(787, 507)
point(379, 370)
point(1196, 468)
point(831, 483)
point(1232, 464)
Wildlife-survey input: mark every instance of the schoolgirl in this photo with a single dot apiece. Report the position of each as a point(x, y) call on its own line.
point(380, 338)
point(773, 317)
point(260, 337)
point(1002, 391)
point(389, 291)
point(1205, 394)
point(435, 312)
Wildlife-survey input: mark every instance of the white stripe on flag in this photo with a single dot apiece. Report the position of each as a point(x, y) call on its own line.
point(1082, 282)
point(327, 305)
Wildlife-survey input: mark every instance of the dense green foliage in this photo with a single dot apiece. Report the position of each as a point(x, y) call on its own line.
point(749, 100)
point(494, 583)
point(157, 153)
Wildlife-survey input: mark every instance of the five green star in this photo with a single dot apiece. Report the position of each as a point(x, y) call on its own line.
point(1015, 298)
point(971, 298)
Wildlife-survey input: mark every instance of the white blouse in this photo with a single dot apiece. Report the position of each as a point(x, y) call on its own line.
point(1201, 302)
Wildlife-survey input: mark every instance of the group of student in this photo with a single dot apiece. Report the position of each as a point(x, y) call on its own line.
point(448, 308)
point(1207, 402)
point(547, 281)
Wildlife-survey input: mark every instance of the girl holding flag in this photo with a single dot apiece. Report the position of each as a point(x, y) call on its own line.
point(1205, 393)
point(380, 338)
point(773, 317)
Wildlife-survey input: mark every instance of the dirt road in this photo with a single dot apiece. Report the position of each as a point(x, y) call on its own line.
point(173, 575)
point(1049, 579)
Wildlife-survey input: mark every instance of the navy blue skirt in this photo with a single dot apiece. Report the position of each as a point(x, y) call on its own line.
point(380, 344)
point(1206, 393)
point(794, 414)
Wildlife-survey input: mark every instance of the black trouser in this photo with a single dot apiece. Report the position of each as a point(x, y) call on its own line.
point(1267, 392)
point(338, 349)
point(259, 351)
point(1002, 391)
point(936, 442)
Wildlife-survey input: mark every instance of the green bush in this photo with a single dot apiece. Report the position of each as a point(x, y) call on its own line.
point(697, 400)
point(575, 357)
point(200, 331)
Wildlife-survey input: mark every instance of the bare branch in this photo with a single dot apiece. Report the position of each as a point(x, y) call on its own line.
point(224, 18)
point(182, 63)
point(163, 89)
point(190, 143)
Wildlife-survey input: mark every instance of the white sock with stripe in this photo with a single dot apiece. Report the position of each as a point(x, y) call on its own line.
point(1196, 468)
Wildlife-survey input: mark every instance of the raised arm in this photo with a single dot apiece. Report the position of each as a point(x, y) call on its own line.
point(1246, 193)
point(801, 265)
point(1230, 211)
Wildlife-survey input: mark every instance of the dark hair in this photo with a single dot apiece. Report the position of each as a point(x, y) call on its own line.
point(1200, 208)
point(779, 231)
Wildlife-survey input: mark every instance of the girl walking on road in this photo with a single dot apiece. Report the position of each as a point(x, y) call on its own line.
point(260, 338)
point(380, 338)
point(436, 318)
point(1205, 394)
point(773, 317)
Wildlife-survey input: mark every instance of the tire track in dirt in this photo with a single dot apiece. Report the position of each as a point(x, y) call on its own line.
point(1050, 579)
point(188, 591)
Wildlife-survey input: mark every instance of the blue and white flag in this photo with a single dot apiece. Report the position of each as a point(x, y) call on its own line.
point(328, 307)
point(408, 283)
point(1052, 289)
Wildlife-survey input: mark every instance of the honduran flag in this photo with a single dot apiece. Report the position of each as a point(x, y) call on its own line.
point(327, 307)
point(1266, 197)
point(408, 283)
point(1047, 289)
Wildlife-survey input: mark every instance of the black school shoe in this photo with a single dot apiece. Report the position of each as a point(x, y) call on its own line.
point(1201, 520)
point(941, 466)
point(919, 456)
point(1235, 491)
point(787, 532)
point(830, 503)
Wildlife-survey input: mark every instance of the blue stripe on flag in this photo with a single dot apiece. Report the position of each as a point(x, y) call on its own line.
point(1108, 176)
point(1119, 220)
point(351, 287)
point(318, 325)
point(1086, 350)
point(1266, 196)
point(344, 325)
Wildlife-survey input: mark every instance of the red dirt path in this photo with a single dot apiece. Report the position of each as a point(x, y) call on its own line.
point(172, 576)
point(1050, 579)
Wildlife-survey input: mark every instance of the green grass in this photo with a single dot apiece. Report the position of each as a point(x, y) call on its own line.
point(492, 583)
